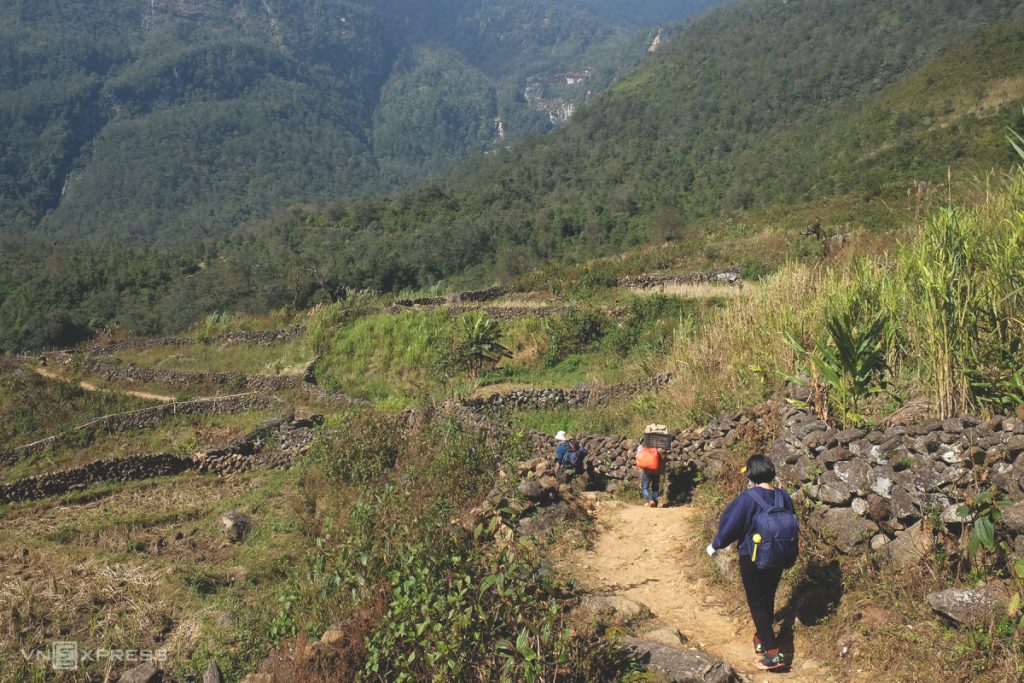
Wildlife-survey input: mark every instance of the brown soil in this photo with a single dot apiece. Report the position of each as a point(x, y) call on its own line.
point(647, 555)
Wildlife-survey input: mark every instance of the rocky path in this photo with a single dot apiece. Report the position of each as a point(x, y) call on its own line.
point(659, 569)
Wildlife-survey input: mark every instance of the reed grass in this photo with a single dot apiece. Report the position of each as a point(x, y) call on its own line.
point(951, 296)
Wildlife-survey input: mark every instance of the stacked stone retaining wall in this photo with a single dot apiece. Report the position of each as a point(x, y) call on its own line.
point(131, 468)
point(133, 374)
point(728, 276)
point(257, 337)
point(533, 399)
point(143, 419)
point(478, 295)
point(274, 445)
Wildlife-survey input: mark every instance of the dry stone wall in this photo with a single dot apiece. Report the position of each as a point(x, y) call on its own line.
point(728, 275)
point(130, 468)
point(129, 374)
point(258, 337)
point(143, 419)
point(232, 380)
point(531, 399)
point(274, 445)
point(471, 296)
point(509, 313)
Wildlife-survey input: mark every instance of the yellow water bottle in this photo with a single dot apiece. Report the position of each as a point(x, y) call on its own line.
point(757, 541)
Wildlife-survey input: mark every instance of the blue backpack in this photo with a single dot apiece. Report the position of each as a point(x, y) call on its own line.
point(779, 531)
point(574, 455)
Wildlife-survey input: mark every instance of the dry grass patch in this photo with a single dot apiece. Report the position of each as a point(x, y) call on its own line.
point(144, 566)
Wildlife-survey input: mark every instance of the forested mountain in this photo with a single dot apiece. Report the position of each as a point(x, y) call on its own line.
point(753, 104)
point(165, 121)
point(761, 103)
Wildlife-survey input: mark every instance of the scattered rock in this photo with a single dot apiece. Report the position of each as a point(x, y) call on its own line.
point(212, 674)
point(143, 673)
point(334, 635)
point(236, 525)
point(972, 606)
point(226, 620)
point(612, 609)
point(847, 645)
point(680, 665)
point(667, 636)
point(532, 489)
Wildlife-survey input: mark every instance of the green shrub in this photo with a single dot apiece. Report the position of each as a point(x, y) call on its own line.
point(572, 332)
point(359, 448)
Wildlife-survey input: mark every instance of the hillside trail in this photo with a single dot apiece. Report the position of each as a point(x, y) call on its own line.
point(657, 567)
point(86, 386)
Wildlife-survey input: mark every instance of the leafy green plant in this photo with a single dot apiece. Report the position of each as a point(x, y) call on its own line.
point(481, 343)
point(986, 510)
point(215, 323)
point(570, 333)
point(851, 362)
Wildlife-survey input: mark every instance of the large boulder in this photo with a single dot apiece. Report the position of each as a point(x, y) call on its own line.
point(679, 664)
point(972, 606)
point(548, 517)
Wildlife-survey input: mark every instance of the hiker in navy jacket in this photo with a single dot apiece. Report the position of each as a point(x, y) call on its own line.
point(760, 585)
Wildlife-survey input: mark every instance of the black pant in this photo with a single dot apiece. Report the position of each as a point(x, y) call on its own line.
point(760, 586)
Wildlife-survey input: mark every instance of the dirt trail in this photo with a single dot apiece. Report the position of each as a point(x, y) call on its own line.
point(50, 374)
point(658, 569)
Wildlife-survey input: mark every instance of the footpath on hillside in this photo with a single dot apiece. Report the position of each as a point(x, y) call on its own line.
point(658, 568)
point(87, 386)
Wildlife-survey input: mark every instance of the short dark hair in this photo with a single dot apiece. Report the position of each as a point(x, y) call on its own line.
point(760, 470)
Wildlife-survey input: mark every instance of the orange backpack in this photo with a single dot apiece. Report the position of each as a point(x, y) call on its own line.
point(648, 458)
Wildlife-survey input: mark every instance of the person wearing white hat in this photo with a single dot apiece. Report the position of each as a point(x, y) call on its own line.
point(569, 455)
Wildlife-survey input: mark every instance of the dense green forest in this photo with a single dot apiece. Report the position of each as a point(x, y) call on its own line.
point(750, 106)
point(166, 122)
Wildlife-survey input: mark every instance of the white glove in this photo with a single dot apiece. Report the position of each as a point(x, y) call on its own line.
point(711, 550)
